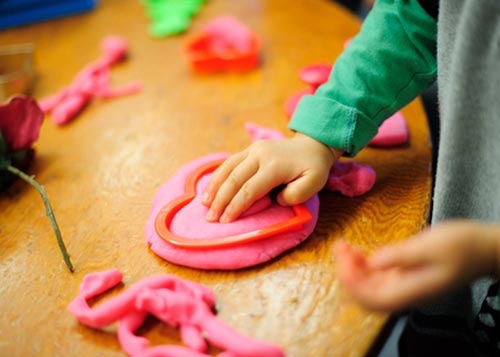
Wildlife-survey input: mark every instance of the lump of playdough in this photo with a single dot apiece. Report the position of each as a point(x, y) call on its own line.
point(190, 222)
point(351, 179)
point(392, 132)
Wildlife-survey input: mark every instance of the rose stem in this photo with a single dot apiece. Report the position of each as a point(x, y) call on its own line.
point(49, 212)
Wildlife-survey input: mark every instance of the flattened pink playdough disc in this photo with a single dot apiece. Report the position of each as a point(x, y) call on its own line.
point(190, 222)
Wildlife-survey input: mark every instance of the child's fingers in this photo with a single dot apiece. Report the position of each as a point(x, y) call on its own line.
point(230, 187)
point(393, 289)
point(411, 252)
point(220, 175)
point(340, 248)
point(350, 262)
point(300, 190)
point(253, 189)
point(386, 289)
point(344, 251)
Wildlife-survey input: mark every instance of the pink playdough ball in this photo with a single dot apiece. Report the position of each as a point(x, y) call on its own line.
point(115, 47)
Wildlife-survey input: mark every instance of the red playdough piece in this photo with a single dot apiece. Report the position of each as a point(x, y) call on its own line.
point(392, 132)
point(177, 302)
point(92, 81)
point(224, 44)
point(351, 179)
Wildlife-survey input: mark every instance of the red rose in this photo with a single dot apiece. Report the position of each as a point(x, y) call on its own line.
point(20, 121)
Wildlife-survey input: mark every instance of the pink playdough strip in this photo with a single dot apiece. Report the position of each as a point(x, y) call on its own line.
point(177, 302)
point(92, 81)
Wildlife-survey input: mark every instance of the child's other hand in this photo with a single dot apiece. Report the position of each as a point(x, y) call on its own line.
point(300, 163)
point(413, 272)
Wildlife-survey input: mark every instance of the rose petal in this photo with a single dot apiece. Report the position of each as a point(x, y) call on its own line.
point(115, 48)
point(20, 121)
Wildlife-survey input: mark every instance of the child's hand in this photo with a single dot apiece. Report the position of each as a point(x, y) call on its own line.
point(300, 163)
point(424, 267)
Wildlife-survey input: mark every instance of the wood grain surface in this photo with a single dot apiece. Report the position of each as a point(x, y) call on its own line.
point(102, 170)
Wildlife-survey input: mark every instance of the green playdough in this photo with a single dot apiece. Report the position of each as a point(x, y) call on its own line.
point(170, 17)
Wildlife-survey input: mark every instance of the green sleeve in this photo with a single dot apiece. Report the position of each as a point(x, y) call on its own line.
point(388, 64)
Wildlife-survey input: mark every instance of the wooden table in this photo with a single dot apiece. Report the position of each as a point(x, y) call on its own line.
point(102, 170)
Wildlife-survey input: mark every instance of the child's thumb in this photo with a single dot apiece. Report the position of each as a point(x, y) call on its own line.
point(298, 191)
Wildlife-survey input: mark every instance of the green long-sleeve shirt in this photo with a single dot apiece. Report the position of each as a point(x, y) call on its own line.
point(387, 65)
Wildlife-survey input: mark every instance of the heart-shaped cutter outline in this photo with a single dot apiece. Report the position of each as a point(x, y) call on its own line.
point(166, 214)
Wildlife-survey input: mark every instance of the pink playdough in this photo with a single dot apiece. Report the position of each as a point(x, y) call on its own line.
point(392, 132)
point(228, 34)
point(174, 301)
point(351, 179)
point(92, 81)
point(314, 75)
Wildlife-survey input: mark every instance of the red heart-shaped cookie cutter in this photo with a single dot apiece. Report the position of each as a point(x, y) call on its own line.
point(166, 214)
